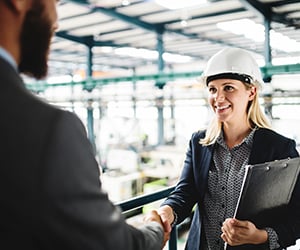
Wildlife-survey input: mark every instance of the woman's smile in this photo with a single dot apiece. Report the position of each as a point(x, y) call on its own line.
point(222, 108)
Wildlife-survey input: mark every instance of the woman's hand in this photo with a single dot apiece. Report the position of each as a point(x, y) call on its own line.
point(167, 217)
point(237, 232)
point(154, 216)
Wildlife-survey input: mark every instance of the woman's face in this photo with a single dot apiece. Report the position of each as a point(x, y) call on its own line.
point(229, 100)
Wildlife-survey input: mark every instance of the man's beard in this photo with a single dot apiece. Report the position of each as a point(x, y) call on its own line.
point(35, 42)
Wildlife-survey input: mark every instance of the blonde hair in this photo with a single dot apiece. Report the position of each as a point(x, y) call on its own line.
point(255, 118)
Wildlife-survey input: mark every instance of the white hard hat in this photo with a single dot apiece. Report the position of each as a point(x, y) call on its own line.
point(233, 63)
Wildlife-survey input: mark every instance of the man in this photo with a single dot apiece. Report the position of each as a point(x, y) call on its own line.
point(50, 193)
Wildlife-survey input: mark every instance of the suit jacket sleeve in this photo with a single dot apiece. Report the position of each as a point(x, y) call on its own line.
point(191, 185)
point(74, 212)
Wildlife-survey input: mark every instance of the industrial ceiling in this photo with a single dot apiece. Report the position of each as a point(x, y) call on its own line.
point(119, 37)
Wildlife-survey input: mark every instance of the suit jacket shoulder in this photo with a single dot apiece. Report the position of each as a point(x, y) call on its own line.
point(50, 183)
point(269, 145)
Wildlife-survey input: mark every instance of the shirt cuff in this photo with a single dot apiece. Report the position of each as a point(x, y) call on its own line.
point(272, 238)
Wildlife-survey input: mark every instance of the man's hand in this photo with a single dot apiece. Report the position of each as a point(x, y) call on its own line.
point(237, 232)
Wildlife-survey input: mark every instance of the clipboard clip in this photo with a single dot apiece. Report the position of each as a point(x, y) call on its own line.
point(287, 162)
point(284, 165)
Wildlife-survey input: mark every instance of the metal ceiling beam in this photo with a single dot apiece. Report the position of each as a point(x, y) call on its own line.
point(88, 40)
point(134, 21)
point(113, 13)
point(265, 9)
point(283, 2)
point(291, 22)
point(81, 1)
point(84, 63)
point(219, 13)
point(254, 5)
point(158, 28)
point(258, 8)
point(91, 83)
point(196, 36)
point(82, 40)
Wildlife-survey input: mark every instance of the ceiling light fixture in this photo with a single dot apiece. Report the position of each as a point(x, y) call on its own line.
point(256, 32)
point(151, 55)
point(125, 3)
point(180, 4)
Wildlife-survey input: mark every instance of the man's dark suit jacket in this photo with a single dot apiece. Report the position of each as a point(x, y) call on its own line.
point(190, 190)
point(50, 192)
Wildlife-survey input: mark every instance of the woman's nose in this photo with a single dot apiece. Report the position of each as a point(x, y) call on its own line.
point(219, 96)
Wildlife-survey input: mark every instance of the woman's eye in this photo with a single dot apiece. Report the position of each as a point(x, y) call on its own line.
point(228, 88)
point(212, 90)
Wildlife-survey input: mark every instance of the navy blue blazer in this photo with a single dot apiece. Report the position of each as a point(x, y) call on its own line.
point(267, 146)
point(50, 193)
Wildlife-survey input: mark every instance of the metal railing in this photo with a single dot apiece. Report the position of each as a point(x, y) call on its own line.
point(135, 204)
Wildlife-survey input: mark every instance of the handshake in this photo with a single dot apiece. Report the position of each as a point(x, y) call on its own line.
point(165, 216)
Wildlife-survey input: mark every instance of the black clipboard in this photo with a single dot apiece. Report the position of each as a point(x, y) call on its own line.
point(266, 187)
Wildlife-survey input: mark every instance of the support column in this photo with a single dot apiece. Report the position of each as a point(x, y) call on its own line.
point(134, 95)
point(268, 96)
point(160, 85)
point(173, 125)
point(90, 124)
point(90, 109)
point(267, 45)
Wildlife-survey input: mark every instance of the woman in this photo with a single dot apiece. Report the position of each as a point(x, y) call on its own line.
point(215, 163)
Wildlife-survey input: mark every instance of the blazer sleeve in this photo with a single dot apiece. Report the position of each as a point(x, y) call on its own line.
point(192, 181)
point(74, 212)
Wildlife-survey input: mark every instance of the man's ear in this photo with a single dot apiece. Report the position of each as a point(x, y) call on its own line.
point(18, 5)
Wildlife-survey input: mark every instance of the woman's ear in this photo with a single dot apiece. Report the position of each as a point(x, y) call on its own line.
point(252, 93)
